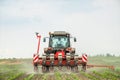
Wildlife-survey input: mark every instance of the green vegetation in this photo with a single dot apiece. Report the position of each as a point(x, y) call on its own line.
point(9, 72)
point(103, 60)
point(58, 76)
point(16, 69)
point(29, 77)
point(104, 75)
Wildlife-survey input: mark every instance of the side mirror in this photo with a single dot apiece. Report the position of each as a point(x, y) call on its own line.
point(75, 39)
point(44, 39)
point(36, 33)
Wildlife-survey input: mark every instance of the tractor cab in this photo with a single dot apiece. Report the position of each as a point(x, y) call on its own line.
point(57, 41)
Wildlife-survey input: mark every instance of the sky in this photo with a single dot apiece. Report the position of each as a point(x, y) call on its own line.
point(95, 24)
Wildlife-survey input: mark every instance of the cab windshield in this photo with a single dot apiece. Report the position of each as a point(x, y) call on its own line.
point(59, 42)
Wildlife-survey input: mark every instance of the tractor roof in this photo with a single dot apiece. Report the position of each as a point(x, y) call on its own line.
point(59, 33)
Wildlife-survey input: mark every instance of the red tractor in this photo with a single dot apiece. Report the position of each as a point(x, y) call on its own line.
point(59, 53)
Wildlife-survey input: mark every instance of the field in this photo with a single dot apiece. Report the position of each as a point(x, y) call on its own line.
point(22, 69)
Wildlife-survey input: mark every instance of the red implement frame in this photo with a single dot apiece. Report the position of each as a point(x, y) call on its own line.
point(72, 62)
point(39, 37)
point(110, 67)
